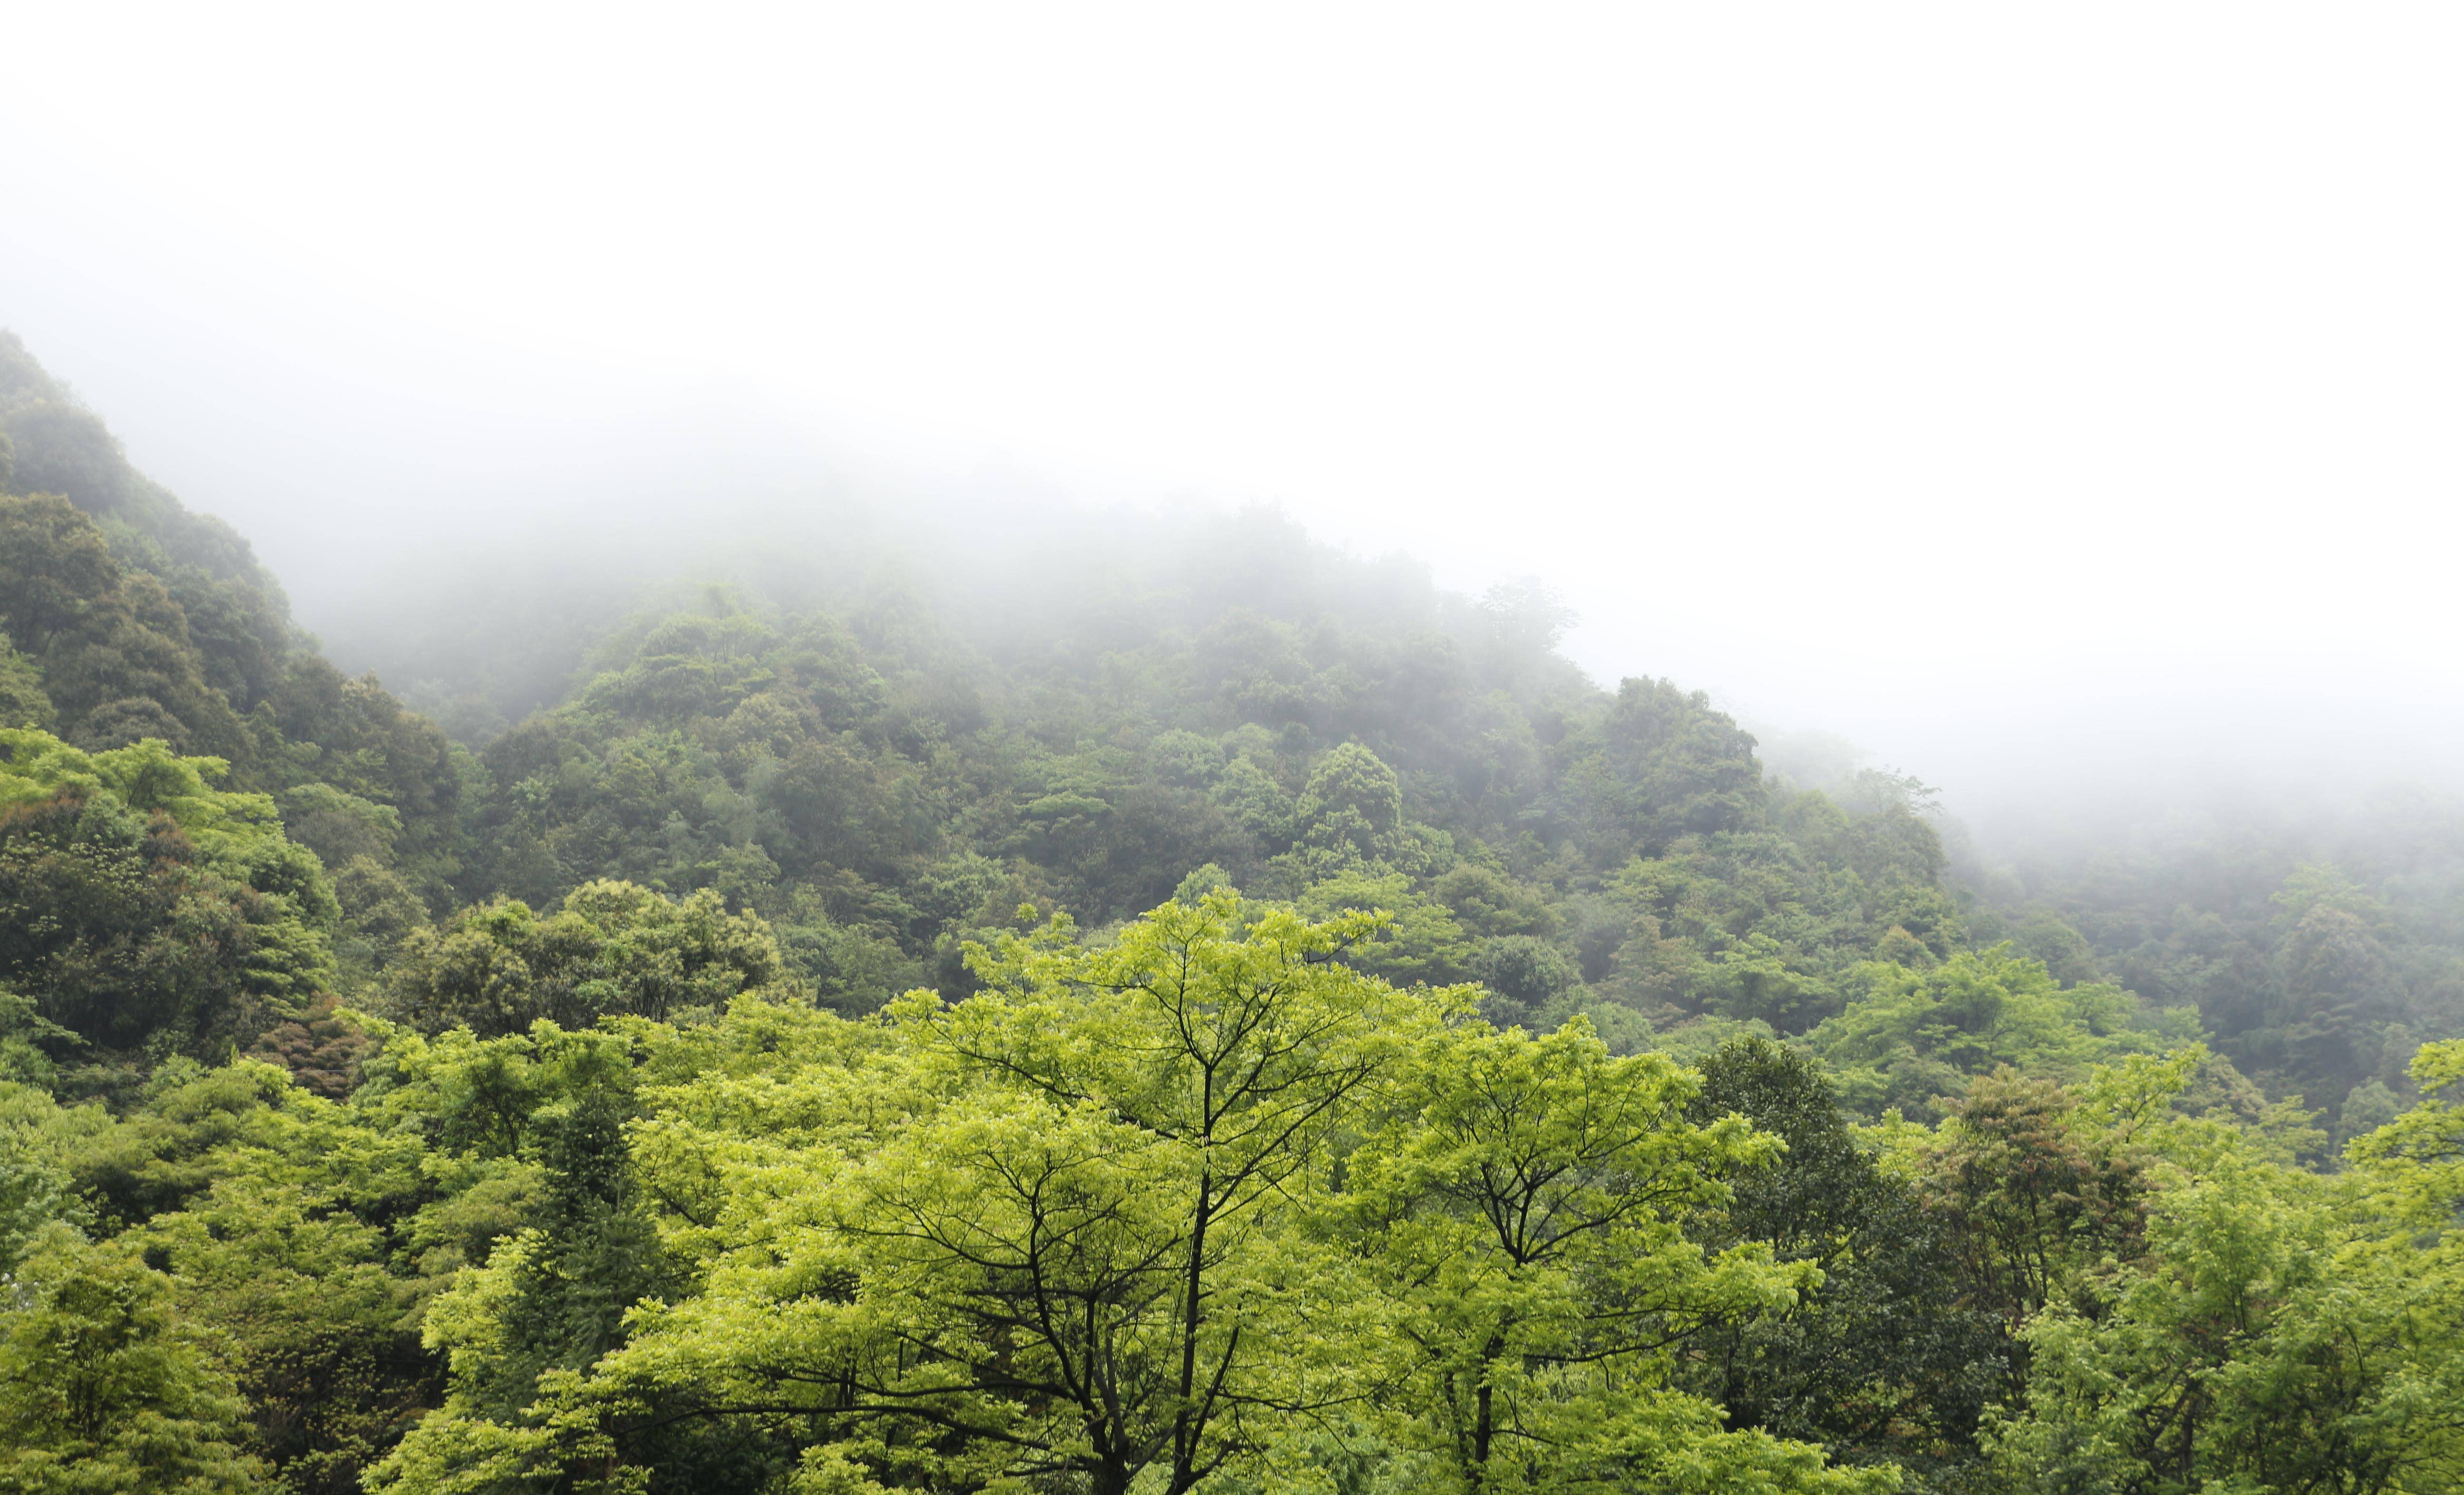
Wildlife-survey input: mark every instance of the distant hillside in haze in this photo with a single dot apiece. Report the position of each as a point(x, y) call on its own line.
point(813, 956)
point(132, 617)
point(884, 735)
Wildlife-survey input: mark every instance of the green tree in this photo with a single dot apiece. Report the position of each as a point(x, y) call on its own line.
point(1888, 1360)
point(1417, 938)
point(103, 1388)
point(146, 911)
point(1911, 1036)
point(1526, 977)
point(35, 1186)
point(1067, 1250)
point(1524, 1210)
point(1660, 764)
point(612, 949)
point(2279, 1330)
point(2339, 992)
point(22, 701)
point(1352, 810)
point(113, 645)
point(2038, 1194)
point(319, 1332)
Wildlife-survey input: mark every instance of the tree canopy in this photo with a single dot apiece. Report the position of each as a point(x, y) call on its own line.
point(1174, 1008)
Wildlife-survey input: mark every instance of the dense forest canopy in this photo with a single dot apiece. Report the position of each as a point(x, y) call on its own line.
point(1183, 1008)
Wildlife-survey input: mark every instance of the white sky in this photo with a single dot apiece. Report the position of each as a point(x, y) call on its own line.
point(2006, 387)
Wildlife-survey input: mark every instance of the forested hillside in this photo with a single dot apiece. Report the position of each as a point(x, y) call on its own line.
point(2319, 936)
point(1185, 1010)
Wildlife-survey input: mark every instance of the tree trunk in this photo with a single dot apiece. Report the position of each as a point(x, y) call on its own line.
point(1185, 1427)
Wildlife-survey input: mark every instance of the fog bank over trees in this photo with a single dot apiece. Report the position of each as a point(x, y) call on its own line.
point(819, 940)
point(1858, 373)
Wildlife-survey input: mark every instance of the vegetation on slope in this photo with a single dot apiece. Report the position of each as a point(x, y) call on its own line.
point(1196, 1012)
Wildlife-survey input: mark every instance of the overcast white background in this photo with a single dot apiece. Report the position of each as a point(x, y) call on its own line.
point(2016, 390)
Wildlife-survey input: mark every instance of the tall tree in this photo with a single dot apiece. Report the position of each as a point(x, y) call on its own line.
point(1524, 1209)
point(103, 1387)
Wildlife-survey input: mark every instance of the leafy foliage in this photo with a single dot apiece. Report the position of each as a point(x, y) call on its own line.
point(1464, 1079)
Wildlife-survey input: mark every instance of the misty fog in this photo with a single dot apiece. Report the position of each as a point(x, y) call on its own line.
point(2048, 404)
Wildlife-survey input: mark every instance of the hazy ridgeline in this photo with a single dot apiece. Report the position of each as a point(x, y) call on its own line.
point(1350, 1048)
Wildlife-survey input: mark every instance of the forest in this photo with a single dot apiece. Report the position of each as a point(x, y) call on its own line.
point(1185, 1010)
